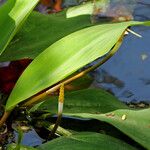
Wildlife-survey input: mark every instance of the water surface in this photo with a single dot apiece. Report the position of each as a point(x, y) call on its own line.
point(131, 64)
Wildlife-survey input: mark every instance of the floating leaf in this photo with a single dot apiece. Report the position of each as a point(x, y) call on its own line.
point(12, 14)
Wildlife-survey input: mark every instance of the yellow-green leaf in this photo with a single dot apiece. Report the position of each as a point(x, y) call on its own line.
point(86, 141)
point(12, 15)
point(134, 123)
point(65, 57)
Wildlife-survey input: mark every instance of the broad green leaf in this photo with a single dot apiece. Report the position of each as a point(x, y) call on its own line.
point(87, 8)
point(64, 57)
point(39, 32)
point(86, 141)
point(83, 101)
point(12, 15)
point(135, 124)
point(13, 147)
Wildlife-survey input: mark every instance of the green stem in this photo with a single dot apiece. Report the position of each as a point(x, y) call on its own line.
point(56, 125)
point(4, 118)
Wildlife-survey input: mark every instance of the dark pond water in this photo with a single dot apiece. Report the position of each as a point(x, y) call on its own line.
point(30, 138)
point(127, 74)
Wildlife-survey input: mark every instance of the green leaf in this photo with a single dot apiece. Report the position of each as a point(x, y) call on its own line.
point(39, 32)
point(87, 8)
point(12, 15)
point(83, 101)
point(86, 141)
point(135, 124)
point(65, 57)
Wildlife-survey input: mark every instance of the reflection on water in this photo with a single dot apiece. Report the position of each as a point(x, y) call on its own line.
point(35, 140)
point(131, 63)
point(2, 1)
point(113, 10)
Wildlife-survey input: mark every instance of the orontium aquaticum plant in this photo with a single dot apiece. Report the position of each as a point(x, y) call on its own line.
point(51, 70)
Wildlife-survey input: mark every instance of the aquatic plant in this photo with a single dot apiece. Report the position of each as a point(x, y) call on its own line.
point(57, 56)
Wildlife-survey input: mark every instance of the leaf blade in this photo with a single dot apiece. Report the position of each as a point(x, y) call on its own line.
point(28, 44)
point(65, 57)
point(82, 101)
point(130, 126)
point(13, 14)
point(86, 141)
